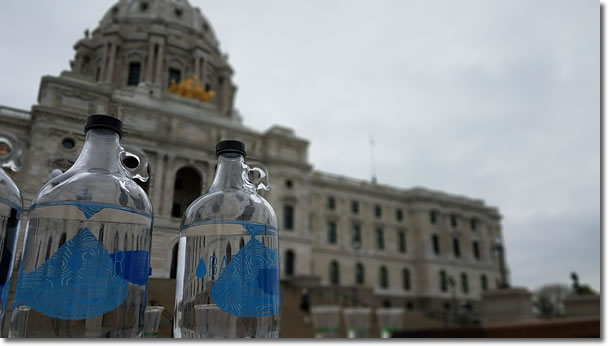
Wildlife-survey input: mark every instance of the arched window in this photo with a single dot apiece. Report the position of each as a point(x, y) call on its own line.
point(383, 277)
point(359, 274)
point(186, 189)
point(173, 271)
point(406, 279)
point(334, 273)
point(290, 259)
point(484, 283)
point(464, 283)
point(443, 281)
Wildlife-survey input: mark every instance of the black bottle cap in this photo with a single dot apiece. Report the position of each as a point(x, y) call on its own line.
point(105, 121)
point(230, 146)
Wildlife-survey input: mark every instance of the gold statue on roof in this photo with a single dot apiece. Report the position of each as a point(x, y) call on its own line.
point(191, 88)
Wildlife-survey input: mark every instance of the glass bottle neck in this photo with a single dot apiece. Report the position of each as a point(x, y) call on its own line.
point(101, 152)
point(229, 173)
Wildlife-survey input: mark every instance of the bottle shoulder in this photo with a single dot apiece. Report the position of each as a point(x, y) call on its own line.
point(9, 192)
point(230, 205)
point(105, 188)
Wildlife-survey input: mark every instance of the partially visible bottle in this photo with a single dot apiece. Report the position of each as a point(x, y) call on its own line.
point(86, 253)
point(11, 207)
point(227, 282)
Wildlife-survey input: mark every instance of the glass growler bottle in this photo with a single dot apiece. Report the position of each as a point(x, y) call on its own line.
point(227, 282)
point(11, 208)
point(86, 254)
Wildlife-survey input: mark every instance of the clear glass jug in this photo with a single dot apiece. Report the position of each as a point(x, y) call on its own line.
point(11, 208)
point(86, 254)
point(228, 256)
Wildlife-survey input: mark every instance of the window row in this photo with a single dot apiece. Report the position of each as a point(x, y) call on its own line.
point(436, 244)
point(383, 277)
point(446, 281)
point(134, 75)
point(454, 218)
point(354, 208)
point(379, 243)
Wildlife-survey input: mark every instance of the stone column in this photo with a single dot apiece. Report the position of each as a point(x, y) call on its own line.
point(103, 62)
point(167, 195)
point(159, 63)
point(197, 67)
point(204, 72)
point(112, 59)
point(158, 181)
point(150, 62)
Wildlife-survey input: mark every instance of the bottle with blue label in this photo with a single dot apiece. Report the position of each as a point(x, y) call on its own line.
point(86, 254)
point(227, 282)
point(11, 208)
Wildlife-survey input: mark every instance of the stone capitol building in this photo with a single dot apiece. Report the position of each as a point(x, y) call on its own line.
point(156, 65)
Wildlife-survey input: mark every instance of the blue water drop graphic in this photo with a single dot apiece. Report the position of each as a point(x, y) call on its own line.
point(201, 269)
point(76, 282)
point(249, 286)
point(133, 266)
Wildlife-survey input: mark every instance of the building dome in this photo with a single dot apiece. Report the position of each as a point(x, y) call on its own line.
point(163, 48)
point(178, 14)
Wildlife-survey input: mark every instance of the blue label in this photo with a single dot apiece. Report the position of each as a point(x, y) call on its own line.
point(78, 281)
point(249, 285)
point(132, 266)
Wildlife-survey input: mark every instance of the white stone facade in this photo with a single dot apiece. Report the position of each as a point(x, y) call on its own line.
point(179, 136)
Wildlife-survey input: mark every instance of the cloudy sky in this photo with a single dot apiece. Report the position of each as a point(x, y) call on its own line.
point(497, 100)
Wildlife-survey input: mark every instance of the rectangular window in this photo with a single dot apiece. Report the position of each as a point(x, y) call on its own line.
point(379, 238)
point(354, 207)
point(134, 71)
point(332, 236)
point(399, 215)
point(331, 203)
point(464, 281)
point(288, 217)
point(476, 250)
point(473, 224)
point(402, 242)
point(456, 243)
point(433, 217)
point(454, 221)
point(356, 235)
point(174, 74)
point(378, 211)
point(406, 279)
point(436, 248)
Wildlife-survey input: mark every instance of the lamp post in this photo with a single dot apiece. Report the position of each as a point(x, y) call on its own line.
point(500, 253)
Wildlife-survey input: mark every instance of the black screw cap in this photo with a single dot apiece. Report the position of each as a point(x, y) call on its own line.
point(104, 121)
point(230, 146)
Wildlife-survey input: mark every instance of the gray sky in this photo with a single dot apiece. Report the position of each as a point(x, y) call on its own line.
point(496, 100)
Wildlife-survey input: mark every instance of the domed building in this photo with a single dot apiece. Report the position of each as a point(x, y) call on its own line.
point(157, 65)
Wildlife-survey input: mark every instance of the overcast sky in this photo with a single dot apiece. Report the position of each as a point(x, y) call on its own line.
point(497, 100)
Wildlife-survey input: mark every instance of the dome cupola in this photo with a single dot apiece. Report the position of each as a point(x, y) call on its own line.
point(165, 46)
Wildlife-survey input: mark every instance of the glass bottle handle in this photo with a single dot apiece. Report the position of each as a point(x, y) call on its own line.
point(258, 177)
point(135, 163)
point(10, 152)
